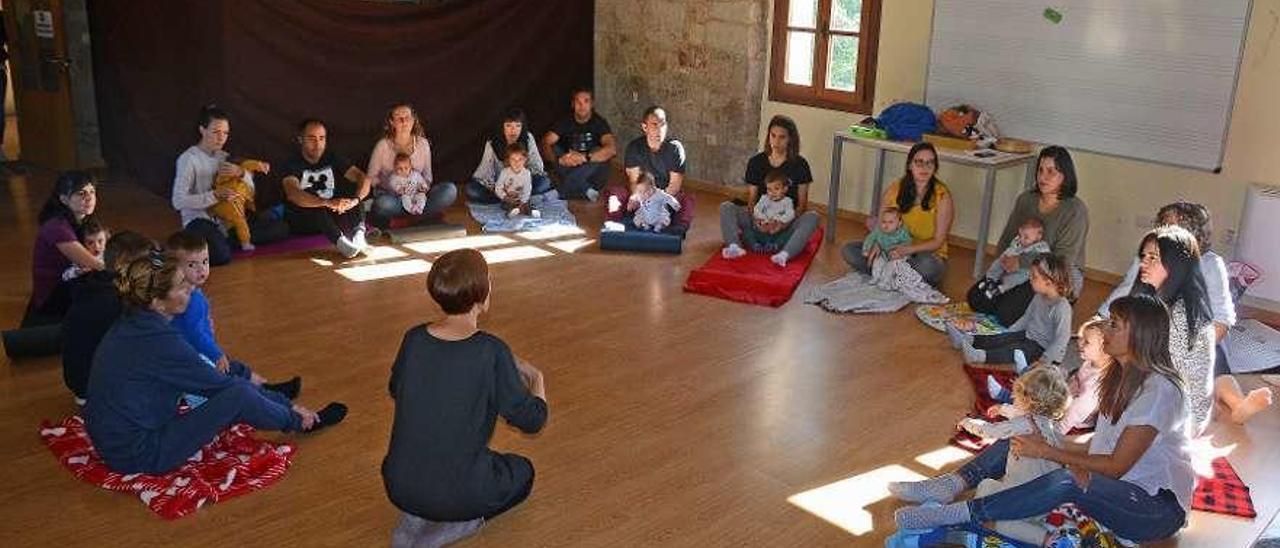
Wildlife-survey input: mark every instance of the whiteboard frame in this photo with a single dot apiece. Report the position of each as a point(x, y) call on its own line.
point(1230, 113)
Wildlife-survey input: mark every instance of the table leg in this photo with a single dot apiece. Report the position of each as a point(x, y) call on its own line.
point(984, 224)
point(1030, 181)
point(833, 193)
point(877, 184)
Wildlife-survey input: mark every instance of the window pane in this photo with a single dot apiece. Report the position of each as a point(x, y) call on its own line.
point(803, 14)
point(846, 15)
point(842, 63)
point(799, 58)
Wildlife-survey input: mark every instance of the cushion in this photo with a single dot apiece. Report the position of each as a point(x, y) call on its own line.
point(753, 278)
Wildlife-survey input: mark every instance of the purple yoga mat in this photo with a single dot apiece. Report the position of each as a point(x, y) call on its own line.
point(287, 245)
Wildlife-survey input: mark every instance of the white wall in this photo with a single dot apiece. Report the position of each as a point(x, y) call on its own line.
point(1122, 194)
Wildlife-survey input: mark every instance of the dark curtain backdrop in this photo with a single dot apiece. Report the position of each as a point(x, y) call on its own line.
point(272, 63)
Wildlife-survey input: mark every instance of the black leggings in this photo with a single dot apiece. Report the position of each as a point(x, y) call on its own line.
point(1007, 307)
point(264, 231)
point(1000, 346)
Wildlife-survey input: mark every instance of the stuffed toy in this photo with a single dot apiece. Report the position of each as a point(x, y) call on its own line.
point(232, 212)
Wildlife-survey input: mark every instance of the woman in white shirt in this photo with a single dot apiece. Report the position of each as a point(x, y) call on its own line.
point(1135, 478)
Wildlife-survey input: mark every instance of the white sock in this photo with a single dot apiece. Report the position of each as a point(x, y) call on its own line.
point(928, 517)
point(943, 488)
point(732, 251)
point(780, 258)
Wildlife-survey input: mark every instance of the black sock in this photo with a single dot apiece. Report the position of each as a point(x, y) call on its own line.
point(331, 414)
point(290, 388)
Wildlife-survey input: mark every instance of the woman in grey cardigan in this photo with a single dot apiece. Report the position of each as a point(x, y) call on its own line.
point(1066, 226)
point(511, 129)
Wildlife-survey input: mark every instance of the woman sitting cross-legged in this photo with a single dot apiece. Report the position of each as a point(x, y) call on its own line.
point(450, 381)
point(1135, 478)
point(143, 367)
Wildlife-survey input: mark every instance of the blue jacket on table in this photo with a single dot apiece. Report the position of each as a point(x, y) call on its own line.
point(140, 370)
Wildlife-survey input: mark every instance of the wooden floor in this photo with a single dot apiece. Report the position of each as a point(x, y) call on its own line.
point(701, 445)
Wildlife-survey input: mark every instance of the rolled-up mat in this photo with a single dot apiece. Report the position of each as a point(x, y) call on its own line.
point(33, 342)
point(641, 241)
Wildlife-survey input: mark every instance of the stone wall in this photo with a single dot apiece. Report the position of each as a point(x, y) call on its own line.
point(705, 61)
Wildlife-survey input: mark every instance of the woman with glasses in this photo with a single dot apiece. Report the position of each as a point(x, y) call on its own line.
point(57, 247)
point(927, 212)
point(1066, 226)
point(143, 366)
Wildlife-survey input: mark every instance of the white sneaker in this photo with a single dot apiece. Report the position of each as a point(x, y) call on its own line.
point(536, 214)
point(346, 247)
point(358, 239)
point(593, 195)
point(515, 212)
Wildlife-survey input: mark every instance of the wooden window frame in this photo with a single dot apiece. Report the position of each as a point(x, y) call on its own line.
point(817, 95)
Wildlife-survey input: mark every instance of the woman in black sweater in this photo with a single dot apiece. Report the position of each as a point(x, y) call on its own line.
point(450, 381)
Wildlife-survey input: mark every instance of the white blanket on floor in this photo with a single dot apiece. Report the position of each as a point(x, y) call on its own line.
point(857, 293)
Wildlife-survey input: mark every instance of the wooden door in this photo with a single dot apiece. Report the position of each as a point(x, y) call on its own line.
point(41, 84)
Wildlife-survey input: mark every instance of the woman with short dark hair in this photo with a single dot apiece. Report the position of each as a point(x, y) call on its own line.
point(450, 381)
point(511, 129)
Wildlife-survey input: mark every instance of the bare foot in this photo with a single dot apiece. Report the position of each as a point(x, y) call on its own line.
point(1257, 400)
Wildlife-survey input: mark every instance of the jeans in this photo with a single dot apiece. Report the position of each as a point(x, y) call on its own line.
point(478, 193)
point(574, 181)
point(736, 220)
point(930, 267)
point(387, 205)
point(1123, 507)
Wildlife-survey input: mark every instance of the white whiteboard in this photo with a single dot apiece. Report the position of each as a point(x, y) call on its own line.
point(1147, 79)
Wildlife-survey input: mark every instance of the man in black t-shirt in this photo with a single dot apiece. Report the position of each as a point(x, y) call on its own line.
point(323, 192)
point(662, 156)
point(582, 146)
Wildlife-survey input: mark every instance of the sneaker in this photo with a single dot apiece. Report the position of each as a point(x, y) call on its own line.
point(358, 239)
point(593, 195)
point(346, 247)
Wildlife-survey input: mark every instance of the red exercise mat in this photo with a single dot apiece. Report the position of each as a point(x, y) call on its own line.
point(233, 464)
point(753, 278)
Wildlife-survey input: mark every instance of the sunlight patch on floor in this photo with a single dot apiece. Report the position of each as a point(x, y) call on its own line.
point(942, 457)
point(449, 244)
point(381, 253)
point(518, 253)
point(570, 246)
point(381, 271)
point(842, 503)
point(550, 233)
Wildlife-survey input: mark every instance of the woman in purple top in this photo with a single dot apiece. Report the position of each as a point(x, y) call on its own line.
point(57, 247)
